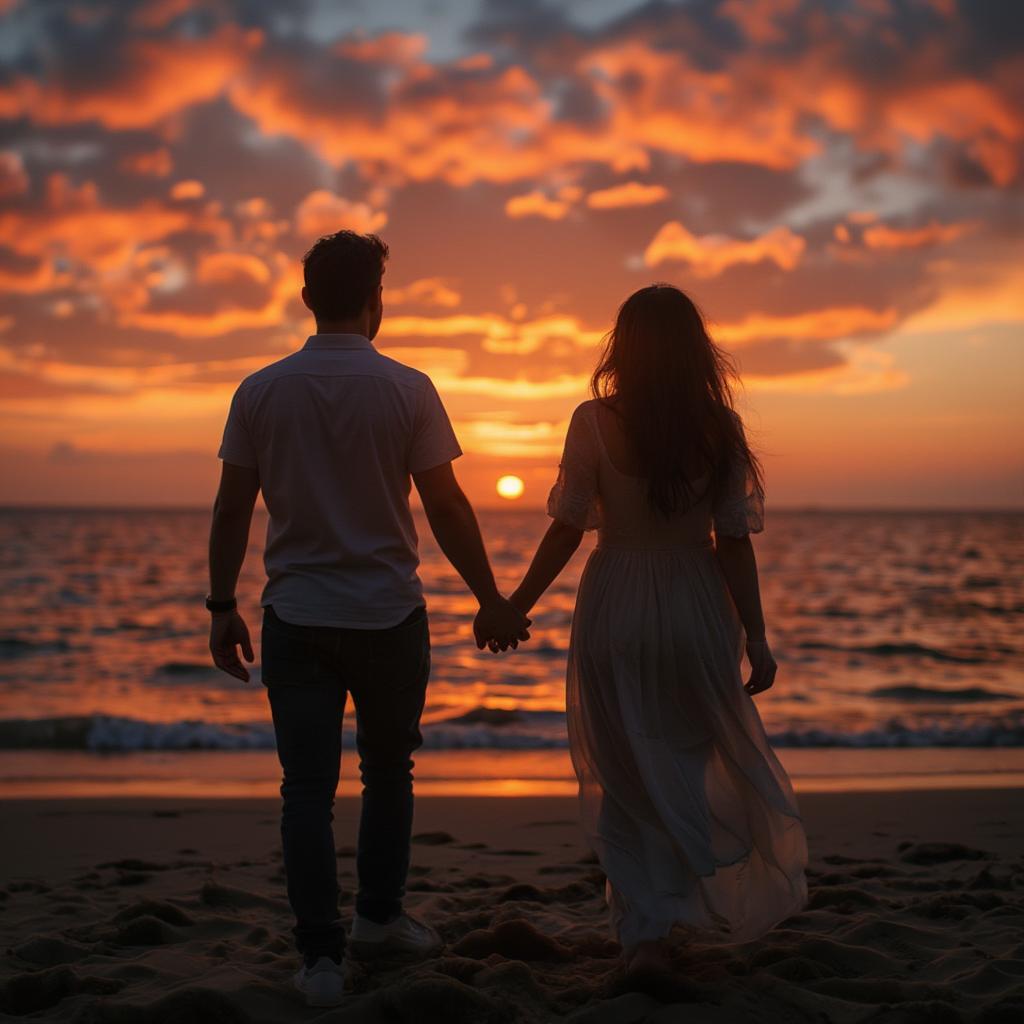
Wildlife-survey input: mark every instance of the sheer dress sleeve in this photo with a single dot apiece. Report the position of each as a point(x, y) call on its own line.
point(574, 497)
point(739, 510)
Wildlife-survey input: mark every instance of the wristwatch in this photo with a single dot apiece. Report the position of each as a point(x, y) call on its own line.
point(221, 606)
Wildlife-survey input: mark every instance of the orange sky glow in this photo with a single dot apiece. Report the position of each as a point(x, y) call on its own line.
point(840, 187)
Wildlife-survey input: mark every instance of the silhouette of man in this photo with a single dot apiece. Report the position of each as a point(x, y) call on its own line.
point(332, 434)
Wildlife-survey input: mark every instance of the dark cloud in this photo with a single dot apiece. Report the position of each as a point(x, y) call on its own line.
point(222, 148)
point(780, 356)
point(519, 27)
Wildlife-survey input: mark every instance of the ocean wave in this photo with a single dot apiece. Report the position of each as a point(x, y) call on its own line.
point(495, 730)
point(910, 650)
point(18, 647)
point(930, 695)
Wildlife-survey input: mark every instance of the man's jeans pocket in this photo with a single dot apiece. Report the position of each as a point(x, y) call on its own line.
point(292, 655)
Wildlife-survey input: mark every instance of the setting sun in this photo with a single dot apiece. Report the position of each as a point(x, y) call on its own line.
point(510, 487)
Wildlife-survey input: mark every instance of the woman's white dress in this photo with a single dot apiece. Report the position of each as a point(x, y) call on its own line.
point(689, 812)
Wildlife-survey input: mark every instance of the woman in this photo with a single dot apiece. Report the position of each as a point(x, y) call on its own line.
point(684, 803)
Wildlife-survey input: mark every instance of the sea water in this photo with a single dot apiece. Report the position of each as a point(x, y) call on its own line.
point(898, 637)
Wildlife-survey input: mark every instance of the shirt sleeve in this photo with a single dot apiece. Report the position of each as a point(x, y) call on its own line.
point(574, 497)
point(434, 441)
point(739, 510)
point(236, 445)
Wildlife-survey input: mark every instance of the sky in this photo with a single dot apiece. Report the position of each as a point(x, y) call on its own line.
point(839, 185)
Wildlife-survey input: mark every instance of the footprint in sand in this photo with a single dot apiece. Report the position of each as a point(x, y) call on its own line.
point(516, 939)
point(216, 894)
point(49, 951)
point(28, 993)
point(939, 853)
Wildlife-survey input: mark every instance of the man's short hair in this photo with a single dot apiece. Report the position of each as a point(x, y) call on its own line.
point(341, 272)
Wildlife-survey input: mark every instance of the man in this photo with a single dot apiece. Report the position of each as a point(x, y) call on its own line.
point(332, 434)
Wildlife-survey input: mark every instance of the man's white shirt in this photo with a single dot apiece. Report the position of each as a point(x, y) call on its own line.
point(335, 431)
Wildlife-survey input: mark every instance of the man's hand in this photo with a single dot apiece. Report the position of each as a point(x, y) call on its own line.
point(227, 632)
point(498, 625)
point(762, 667)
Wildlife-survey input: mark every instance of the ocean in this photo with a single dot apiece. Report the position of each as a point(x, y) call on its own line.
point(898, 637)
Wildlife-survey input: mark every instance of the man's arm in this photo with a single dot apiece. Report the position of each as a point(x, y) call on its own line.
point(229, 538)
point(454, 525)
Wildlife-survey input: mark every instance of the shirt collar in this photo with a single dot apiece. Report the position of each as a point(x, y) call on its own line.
point(354, 341)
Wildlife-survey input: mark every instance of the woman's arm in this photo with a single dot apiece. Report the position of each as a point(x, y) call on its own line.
point(736, 557)
point(739, 566)
point(557, 546)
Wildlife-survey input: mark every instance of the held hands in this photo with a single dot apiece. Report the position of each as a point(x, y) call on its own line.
point(762, 667)
point(227, 632)
point(499, 625)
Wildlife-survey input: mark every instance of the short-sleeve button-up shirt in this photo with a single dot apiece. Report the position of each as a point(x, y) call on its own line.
point(335, 431)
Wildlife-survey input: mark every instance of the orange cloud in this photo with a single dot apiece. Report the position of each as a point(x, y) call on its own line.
point(881, 236)
point(630, 193)
point(127, 379)
point(428, 130)
point(75, 224)
point(155, 163)
point(814, 324)
point(434, 360)
point(190, 189)
point(964, 109)
point(498, 334)
point(536, 204)
point(41, 277)
point(427, 291)
point(13, 179)
point(396, 48)
point(726, 114)
point(322, 213)
point(758, 19)
point(286, 280)
point(223, 268)
point(988, 294)
point(541, 439)
point(709, 255)
point(154, 79)
point(519, 389)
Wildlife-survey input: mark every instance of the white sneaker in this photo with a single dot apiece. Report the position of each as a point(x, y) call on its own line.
point(323, 984)
point(404, 934)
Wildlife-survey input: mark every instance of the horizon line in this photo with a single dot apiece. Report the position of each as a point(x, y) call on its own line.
point(796, 507)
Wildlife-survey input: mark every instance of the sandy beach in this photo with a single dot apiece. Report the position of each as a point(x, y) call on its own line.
point(160, 910)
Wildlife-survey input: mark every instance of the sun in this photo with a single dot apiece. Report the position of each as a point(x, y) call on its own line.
point(511, 487)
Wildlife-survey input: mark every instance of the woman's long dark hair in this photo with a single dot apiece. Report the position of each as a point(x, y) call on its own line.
point(672, 389)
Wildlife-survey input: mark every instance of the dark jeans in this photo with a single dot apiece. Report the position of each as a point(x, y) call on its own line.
point(308, 672)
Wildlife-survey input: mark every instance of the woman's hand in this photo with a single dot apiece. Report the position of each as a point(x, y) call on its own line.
point(519, 602)
point(762, 667)
point(500, 625)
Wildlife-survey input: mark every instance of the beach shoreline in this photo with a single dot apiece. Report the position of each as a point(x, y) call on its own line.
point(481, 772)
point(141, 905)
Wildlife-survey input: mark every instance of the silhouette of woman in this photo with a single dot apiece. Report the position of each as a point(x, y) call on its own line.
point(682, 799)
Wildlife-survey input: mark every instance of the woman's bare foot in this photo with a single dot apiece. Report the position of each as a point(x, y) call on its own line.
point(649, 957)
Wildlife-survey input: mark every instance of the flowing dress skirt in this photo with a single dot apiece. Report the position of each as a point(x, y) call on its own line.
point(689, 812)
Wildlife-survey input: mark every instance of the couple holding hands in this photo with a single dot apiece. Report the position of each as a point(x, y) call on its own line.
point(681, 798)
